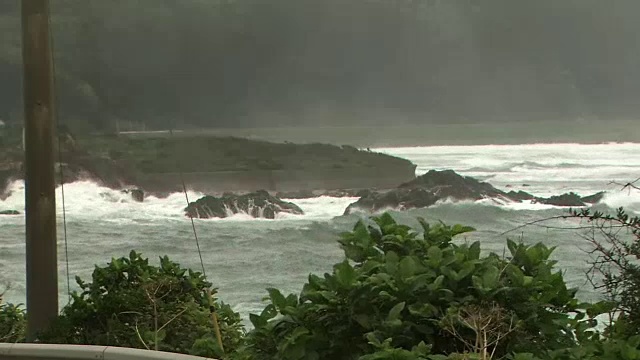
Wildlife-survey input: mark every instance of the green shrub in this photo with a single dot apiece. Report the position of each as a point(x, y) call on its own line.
point(616, 244)
point(399, 294)
point(13, 323)
point(131, 303)
point(604, 349)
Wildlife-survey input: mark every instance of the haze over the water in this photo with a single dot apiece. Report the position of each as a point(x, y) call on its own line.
point(256, 63)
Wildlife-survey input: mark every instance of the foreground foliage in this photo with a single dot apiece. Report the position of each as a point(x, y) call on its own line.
point(399, 294)
point(13, 323)
point(131, 303)
point(615, 266)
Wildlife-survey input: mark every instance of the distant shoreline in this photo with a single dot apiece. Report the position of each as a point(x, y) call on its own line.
point(583, 132)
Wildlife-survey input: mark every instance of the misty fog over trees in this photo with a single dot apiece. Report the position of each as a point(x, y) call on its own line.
point(241, 63)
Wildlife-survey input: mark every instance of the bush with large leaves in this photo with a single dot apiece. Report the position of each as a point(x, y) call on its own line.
point(401, 294)
point(130, 303)
point(13, 323)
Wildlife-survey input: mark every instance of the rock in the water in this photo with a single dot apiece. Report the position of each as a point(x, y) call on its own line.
point(400, 199)
point(427, 189)
point(568, 199)
point(136, 194)
point(9, 212)
point(520, 195)
point(593, 199)
point(435, 185)
point(258, 204)
point(449, 184)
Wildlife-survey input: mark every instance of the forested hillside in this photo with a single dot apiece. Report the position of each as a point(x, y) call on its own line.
point(226, 63)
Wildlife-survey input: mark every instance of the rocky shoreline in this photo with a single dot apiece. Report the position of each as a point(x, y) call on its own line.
point(435, 186)
point(425, 191)
point(422, 192)
point(252, 177)
point(213, 165)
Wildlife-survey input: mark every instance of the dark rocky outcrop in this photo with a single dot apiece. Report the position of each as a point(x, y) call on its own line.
point(400, 199)
point(449, 184)
point(520, 196)
point(258, 204)
point(568, 199)
point(427, 189)
point(9, 212)
point(594, 199)
point(571, 199)
point(435, 185)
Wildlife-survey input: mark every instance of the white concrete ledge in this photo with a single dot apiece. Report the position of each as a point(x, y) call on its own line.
point(84, 352)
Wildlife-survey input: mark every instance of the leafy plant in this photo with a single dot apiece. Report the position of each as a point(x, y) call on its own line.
point(13, 322)
point(615, 269)
point(395, 288)
point(131, 303)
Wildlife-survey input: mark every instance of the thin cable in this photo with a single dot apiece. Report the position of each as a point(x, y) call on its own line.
point(212, 308)
point(193, 224)
point(61, 170)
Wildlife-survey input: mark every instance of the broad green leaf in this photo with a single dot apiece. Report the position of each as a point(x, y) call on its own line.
point(434, 255)
point(490, 278)
point(407, 267)
point(257, 321)
point(461, 229)
point(474, 250)
point(277, 298)
point(467, 269)
point(513, 247)
point(395, 311)
point(425, 310)
point(420, 281)
point(437, 283)
point(345, 274)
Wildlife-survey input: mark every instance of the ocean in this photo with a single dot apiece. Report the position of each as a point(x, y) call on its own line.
point(243, 256)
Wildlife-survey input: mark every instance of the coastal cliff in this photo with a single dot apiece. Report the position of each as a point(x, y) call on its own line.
point(215, 164)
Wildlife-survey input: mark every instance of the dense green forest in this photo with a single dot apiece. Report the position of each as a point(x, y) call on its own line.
point(241, 63)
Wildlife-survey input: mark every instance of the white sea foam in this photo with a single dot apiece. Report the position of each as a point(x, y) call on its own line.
point(541, 169)
point(545, 169)
point(87, 200)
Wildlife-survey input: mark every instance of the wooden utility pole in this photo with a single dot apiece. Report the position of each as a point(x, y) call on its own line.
point(40, 197)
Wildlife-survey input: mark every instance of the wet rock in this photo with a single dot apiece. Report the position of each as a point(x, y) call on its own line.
point(568, 199)
point(520, 195)
point(399, 199)
point(259, 204)
point(593, 199)
point(435, 185)
point(449, 184)
point(136, 194)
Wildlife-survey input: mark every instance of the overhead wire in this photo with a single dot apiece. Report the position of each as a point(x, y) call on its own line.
point(214, 314)
point(56, 113)
point(64, 212)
